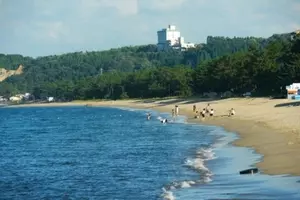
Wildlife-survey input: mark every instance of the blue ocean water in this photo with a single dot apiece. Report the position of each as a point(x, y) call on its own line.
point(115, 153)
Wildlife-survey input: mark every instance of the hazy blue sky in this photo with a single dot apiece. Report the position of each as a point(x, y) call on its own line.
point(43, 27)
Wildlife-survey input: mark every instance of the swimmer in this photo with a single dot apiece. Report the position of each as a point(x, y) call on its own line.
point(164, 121)
point(148, 116)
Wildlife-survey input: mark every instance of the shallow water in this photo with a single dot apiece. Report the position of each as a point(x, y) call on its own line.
point(107, 153)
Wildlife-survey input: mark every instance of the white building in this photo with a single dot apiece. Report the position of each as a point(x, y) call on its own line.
point(171, 38)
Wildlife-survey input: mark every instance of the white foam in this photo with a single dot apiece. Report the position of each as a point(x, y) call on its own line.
point(185, 184)
point(132, 109)
point(168, 195)
point(216, 131)
point(207, 179)
point(159, 118)
point(202, 155)
point(196, 163)
point(206, 154)
point(179, 184)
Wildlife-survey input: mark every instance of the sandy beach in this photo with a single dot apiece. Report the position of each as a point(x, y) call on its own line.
point(270, 126)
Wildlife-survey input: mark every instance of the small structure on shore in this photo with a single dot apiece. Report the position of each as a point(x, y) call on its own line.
point(3, 99)
point(50, 99)
point(293, 91)
point(17, 98)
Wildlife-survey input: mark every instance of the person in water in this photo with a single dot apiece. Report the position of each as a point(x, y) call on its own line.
point(173, 113)
point(148, 116)
point(164, 121)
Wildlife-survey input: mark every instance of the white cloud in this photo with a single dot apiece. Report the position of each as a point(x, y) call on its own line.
point(296, 7)
point(101, 24)
point(164, 4)
point(44, 32)
point(128, 7)
point(294, 26)
point(88, 8)
point(43, 7)
point(53, 30)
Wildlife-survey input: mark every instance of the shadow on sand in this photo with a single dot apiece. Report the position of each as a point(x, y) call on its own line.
point(297, 103)
point(159, 103)
point(193, 101)
point(162, 102)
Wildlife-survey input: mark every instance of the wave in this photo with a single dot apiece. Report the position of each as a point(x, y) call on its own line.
point(196, 163)
point(173, 120)
point(132, 109)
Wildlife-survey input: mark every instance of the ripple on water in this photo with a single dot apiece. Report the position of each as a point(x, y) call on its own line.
point(106, 153)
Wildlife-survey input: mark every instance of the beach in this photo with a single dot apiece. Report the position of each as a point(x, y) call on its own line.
point(270, 126)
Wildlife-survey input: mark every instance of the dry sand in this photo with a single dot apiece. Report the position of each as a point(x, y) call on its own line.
point(271, 127)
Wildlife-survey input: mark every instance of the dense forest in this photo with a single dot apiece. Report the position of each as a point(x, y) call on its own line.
point(239, 65)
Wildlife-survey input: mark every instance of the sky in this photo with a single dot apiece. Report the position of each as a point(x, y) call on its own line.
point(47, 27)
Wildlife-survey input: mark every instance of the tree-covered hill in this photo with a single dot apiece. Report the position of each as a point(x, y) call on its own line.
point(78, 75)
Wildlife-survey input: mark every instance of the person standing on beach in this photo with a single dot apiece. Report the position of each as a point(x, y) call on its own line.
point(197, 114)
point(176, 110)
point(194, 108)
point(211, 112)
point(231, 112)
point(203, 113)
point(207, 108)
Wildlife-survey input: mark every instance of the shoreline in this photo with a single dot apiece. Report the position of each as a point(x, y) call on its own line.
point(270, 127)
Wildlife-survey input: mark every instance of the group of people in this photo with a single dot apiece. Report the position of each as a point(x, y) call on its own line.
point(207, 110)
point(162, 120)
point(210, 111)
point(175, 112)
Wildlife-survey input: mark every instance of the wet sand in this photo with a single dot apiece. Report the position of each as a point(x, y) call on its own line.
point(271, 127)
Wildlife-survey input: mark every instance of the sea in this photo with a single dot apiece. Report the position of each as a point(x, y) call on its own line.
point(91, 153)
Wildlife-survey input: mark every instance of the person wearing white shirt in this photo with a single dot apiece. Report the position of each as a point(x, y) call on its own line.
point(203, 112)
point(231, 112)
point(176, 110)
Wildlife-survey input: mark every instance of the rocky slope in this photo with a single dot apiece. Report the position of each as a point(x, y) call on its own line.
point(4, 73)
